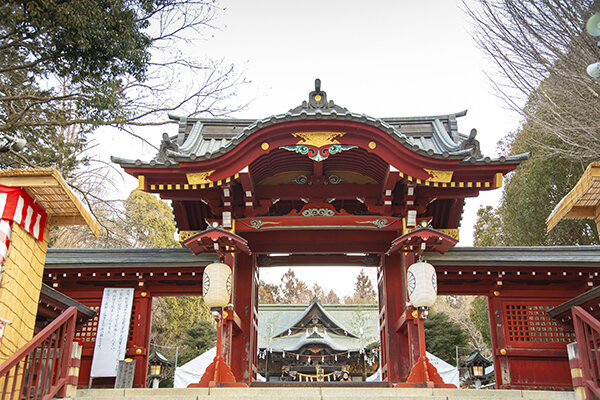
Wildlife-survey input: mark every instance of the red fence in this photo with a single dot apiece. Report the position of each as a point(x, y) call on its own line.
point(39, 369)
point(587, 331)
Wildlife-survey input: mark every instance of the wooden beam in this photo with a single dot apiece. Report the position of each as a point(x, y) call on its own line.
point(29, 181)
point(581, 213)
point(66, 220)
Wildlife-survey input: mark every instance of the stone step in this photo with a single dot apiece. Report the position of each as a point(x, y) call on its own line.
point(316, 393)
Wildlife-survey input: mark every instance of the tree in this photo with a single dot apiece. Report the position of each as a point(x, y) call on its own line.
point(68, 67)
point(459, 310)
point(481, 318)
point(149, 220)
point(331, 298)
point(268, 293)
point(143, 221)
point(294, 290)
point(96, 62)
point(541, 52)
point(528, 198)
point(197, 339)
point(363, 291)
point(442, 336)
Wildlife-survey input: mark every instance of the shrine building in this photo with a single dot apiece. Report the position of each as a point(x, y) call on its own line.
point(321, 185)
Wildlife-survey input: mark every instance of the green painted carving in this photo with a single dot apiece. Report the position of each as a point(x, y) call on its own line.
point(258, 223)
point(379, 223)
point(318, 212)
point(319, 154)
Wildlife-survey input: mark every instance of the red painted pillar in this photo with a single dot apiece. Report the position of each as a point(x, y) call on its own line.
point(243, 344)
point(139, 341)
point(399, 342)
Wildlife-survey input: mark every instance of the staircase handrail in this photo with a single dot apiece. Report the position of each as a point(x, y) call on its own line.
point(590, 363)
point(68, 318)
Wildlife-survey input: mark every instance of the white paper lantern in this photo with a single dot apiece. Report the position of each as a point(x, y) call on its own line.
point(216, 285)
point(422, 284)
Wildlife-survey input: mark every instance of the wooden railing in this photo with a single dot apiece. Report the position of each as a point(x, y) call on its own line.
point(587, 333)
point(38, 371)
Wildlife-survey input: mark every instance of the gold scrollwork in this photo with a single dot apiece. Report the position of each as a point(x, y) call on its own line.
point(439, 176)
point(199, 178)
point(318, 139)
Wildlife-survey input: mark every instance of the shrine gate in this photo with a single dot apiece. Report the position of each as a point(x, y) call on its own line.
point(326, 186)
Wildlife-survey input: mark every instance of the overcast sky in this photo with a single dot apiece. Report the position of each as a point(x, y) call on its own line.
point(388, 58)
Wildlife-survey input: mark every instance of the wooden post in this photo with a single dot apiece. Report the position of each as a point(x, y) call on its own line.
point(243, 344)
point(395, 345)
point(575, 364)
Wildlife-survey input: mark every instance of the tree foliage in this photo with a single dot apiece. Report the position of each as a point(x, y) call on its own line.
point(68, 67)
point(198, 338)
point(293, 290)
point(442, 336)
point(541, 53)
point(481, 318)
point(363, 291)
point(141, 221)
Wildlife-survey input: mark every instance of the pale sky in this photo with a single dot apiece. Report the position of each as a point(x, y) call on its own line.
point(383, 58)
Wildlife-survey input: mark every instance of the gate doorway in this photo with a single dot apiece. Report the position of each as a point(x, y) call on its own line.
point(312, 333)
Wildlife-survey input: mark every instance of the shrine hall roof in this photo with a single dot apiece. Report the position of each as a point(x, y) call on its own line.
point(362, 320)
point(207, 138)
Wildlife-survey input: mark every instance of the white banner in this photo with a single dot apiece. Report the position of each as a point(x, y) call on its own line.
point(113, 329)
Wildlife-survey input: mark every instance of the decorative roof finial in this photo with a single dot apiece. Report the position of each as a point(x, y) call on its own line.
point(317, 98)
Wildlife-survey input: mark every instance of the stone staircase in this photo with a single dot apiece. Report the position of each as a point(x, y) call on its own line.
point(318, 393)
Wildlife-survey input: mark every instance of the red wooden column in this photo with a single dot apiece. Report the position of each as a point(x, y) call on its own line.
point(139, 340)
point(243, 343)
point(399, 336)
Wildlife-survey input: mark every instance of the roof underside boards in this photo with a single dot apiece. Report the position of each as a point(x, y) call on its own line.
point(362, 320)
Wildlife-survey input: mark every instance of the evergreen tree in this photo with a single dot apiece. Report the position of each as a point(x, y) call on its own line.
point(363, 291)
point(481, 319)
point(268, 293)
point(294, 290)
point(197, 339)
point(442, 336)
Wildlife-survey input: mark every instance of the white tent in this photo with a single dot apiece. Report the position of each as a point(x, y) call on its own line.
point(192, 371)
point(449, 373)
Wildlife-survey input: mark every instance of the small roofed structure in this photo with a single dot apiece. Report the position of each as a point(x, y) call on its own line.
point(49, 190)
point(52, 303)
point(474, 369)
point(582, 202)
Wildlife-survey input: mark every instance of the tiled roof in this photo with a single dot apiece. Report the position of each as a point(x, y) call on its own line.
point(362, 320)
point(204, 138)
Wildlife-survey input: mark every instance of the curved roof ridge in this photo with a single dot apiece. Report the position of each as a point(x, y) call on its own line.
point(315, 303)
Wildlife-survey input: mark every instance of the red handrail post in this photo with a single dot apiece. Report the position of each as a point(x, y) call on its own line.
point(39, 361)
point(587, 330)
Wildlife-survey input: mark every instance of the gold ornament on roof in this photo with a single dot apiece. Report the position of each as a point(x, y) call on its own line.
point(199, 178)
point(318, 139)
point(439, 176)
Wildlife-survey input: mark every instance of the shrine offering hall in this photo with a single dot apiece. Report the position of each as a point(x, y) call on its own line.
point(321, 185)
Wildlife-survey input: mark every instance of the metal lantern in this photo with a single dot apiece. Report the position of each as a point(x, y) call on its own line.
point(216, 285)
point(422, 284)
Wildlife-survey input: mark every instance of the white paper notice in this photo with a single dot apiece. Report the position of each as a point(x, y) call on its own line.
point(113, 329)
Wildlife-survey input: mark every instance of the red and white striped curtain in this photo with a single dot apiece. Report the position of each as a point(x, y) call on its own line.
point(16, 206)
